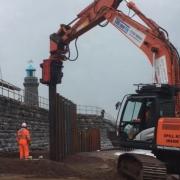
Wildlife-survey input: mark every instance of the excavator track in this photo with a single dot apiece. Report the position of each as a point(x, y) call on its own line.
point(140, 167)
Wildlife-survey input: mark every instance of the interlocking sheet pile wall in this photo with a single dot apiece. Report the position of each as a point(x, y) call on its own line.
point(67, 139)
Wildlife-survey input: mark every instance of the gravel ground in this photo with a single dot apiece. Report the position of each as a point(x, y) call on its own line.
point(83, 166)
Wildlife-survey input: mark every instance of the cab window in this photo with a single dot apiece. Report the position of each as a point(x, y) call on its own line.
point(132, 111)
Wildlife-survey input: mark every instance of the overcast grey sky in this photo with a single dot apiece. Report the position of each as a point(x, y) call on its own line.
point(108, 64)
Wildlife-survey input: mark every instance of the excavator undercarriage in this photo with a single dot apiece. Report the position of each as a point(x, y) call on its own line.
point(140, 167)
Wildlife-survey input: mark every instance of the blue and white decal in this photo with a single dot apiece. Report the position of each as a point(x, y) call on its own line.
point(133, 34)
point(121, 25)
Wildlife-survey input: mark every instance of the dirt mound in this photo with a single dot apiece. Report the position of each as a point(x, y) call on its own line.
point(38, 168)
point(83, 166)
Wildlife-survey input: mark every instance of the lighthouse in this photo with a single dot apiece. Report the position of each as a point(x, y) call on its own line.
point(31, 86)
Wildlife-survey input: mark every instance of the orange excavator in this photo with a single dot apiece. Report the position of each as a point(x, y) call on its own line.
point(150, 118)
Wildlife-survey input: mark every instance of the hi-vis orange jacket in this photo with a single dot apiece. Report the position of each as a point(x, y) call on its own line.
point(23, 136)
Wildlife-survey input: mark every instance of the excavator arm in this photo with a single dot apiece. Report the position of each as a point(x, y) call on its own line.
point(91, 16)
point(150, 38)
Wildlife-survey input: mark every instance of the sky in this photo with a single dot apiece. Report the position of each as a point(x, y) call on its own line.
point(108, 64)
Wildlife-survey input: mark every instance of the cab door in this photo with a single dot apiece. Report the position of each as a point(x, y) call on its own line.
point(139, 113)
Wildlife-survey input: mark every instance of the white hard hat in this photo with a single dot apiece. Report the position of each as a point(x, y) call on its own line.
point(23, 124)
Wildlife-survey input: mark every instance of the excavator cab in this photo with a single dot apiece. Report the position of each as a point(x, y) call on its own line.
point(140, 114)
point(148, 121)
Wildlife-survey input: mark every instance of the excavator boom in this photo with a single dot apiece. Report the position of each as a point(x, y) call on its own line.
point(151, 39)
point(87, 19)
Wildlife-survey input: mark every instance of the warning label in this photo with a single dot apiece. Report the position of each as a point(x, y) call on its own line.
point(170, 138)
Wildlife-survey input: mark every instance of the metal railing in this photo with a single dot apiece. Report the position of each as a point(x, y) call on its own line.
point(84, 109)
point(10, 91)
point(18, 94)
point(94, 110)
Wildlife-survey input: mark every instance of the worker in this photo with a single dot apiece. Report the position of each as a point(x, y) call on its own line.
point(23, 139)
point(102, 113)
point(130, 130)
point(148, 118)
